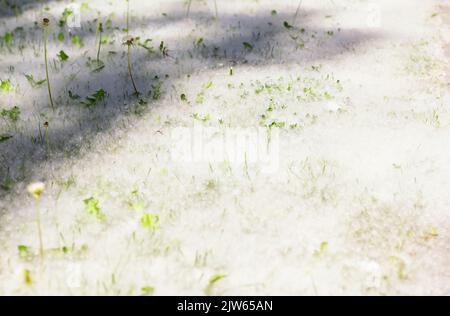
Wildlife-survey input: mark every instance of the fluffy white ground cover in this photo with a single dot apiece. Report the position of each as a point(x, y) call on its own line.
point(354, 96)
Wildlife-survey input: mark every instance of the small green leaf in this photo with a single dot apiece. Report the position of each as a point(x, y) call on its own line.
point(150, 221)
point(183, 97)
point(4, 137)
point(61, 36)
point(34, 83)
point(216, 278)
point(97, 97)
point(287, 25)
point(208, 85)
point(212, 281)
point(104, 39)
point(63, 56)
point(8, 39)
point(322, 249)
point(6, 85)
point(76, 40)
point(67, 12)
point(73, 96)
point(247, 45)
point(147, 291)
point(27, 277)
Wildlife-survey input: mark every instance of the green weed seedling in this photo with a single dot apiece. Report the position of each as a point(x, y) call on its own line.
point(12, 114)
point(94, 99)
point(76, 41)
point(248, 46)
point(146, 45)
point(6, 86)
point(136, 201)
point(139, 107)
point(319, 253)
point(34, 83)
point(25, 252)
point(73, 96)
point(95, 65)
point(91, 206)
point(150, 222)
point(68, 12)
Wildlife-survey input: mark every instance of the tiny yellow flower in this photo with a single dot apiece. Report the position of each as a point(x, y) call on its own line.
point(36, 189)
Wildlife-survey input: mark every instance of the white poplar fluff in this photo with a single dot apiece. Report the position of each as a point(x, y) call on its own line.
point(348, 194)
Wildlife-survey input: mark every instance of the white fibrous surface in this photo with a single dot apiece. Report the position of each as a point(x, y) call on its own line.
point(268, 153)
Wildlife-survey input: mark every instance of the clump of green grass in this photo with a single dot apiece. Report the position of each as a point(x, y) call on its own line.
point(45, 24)
point(62, 56)
point(5, 137)
point(68, 12)
point(203, 119)
point(319, 253)
point(12, 114)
